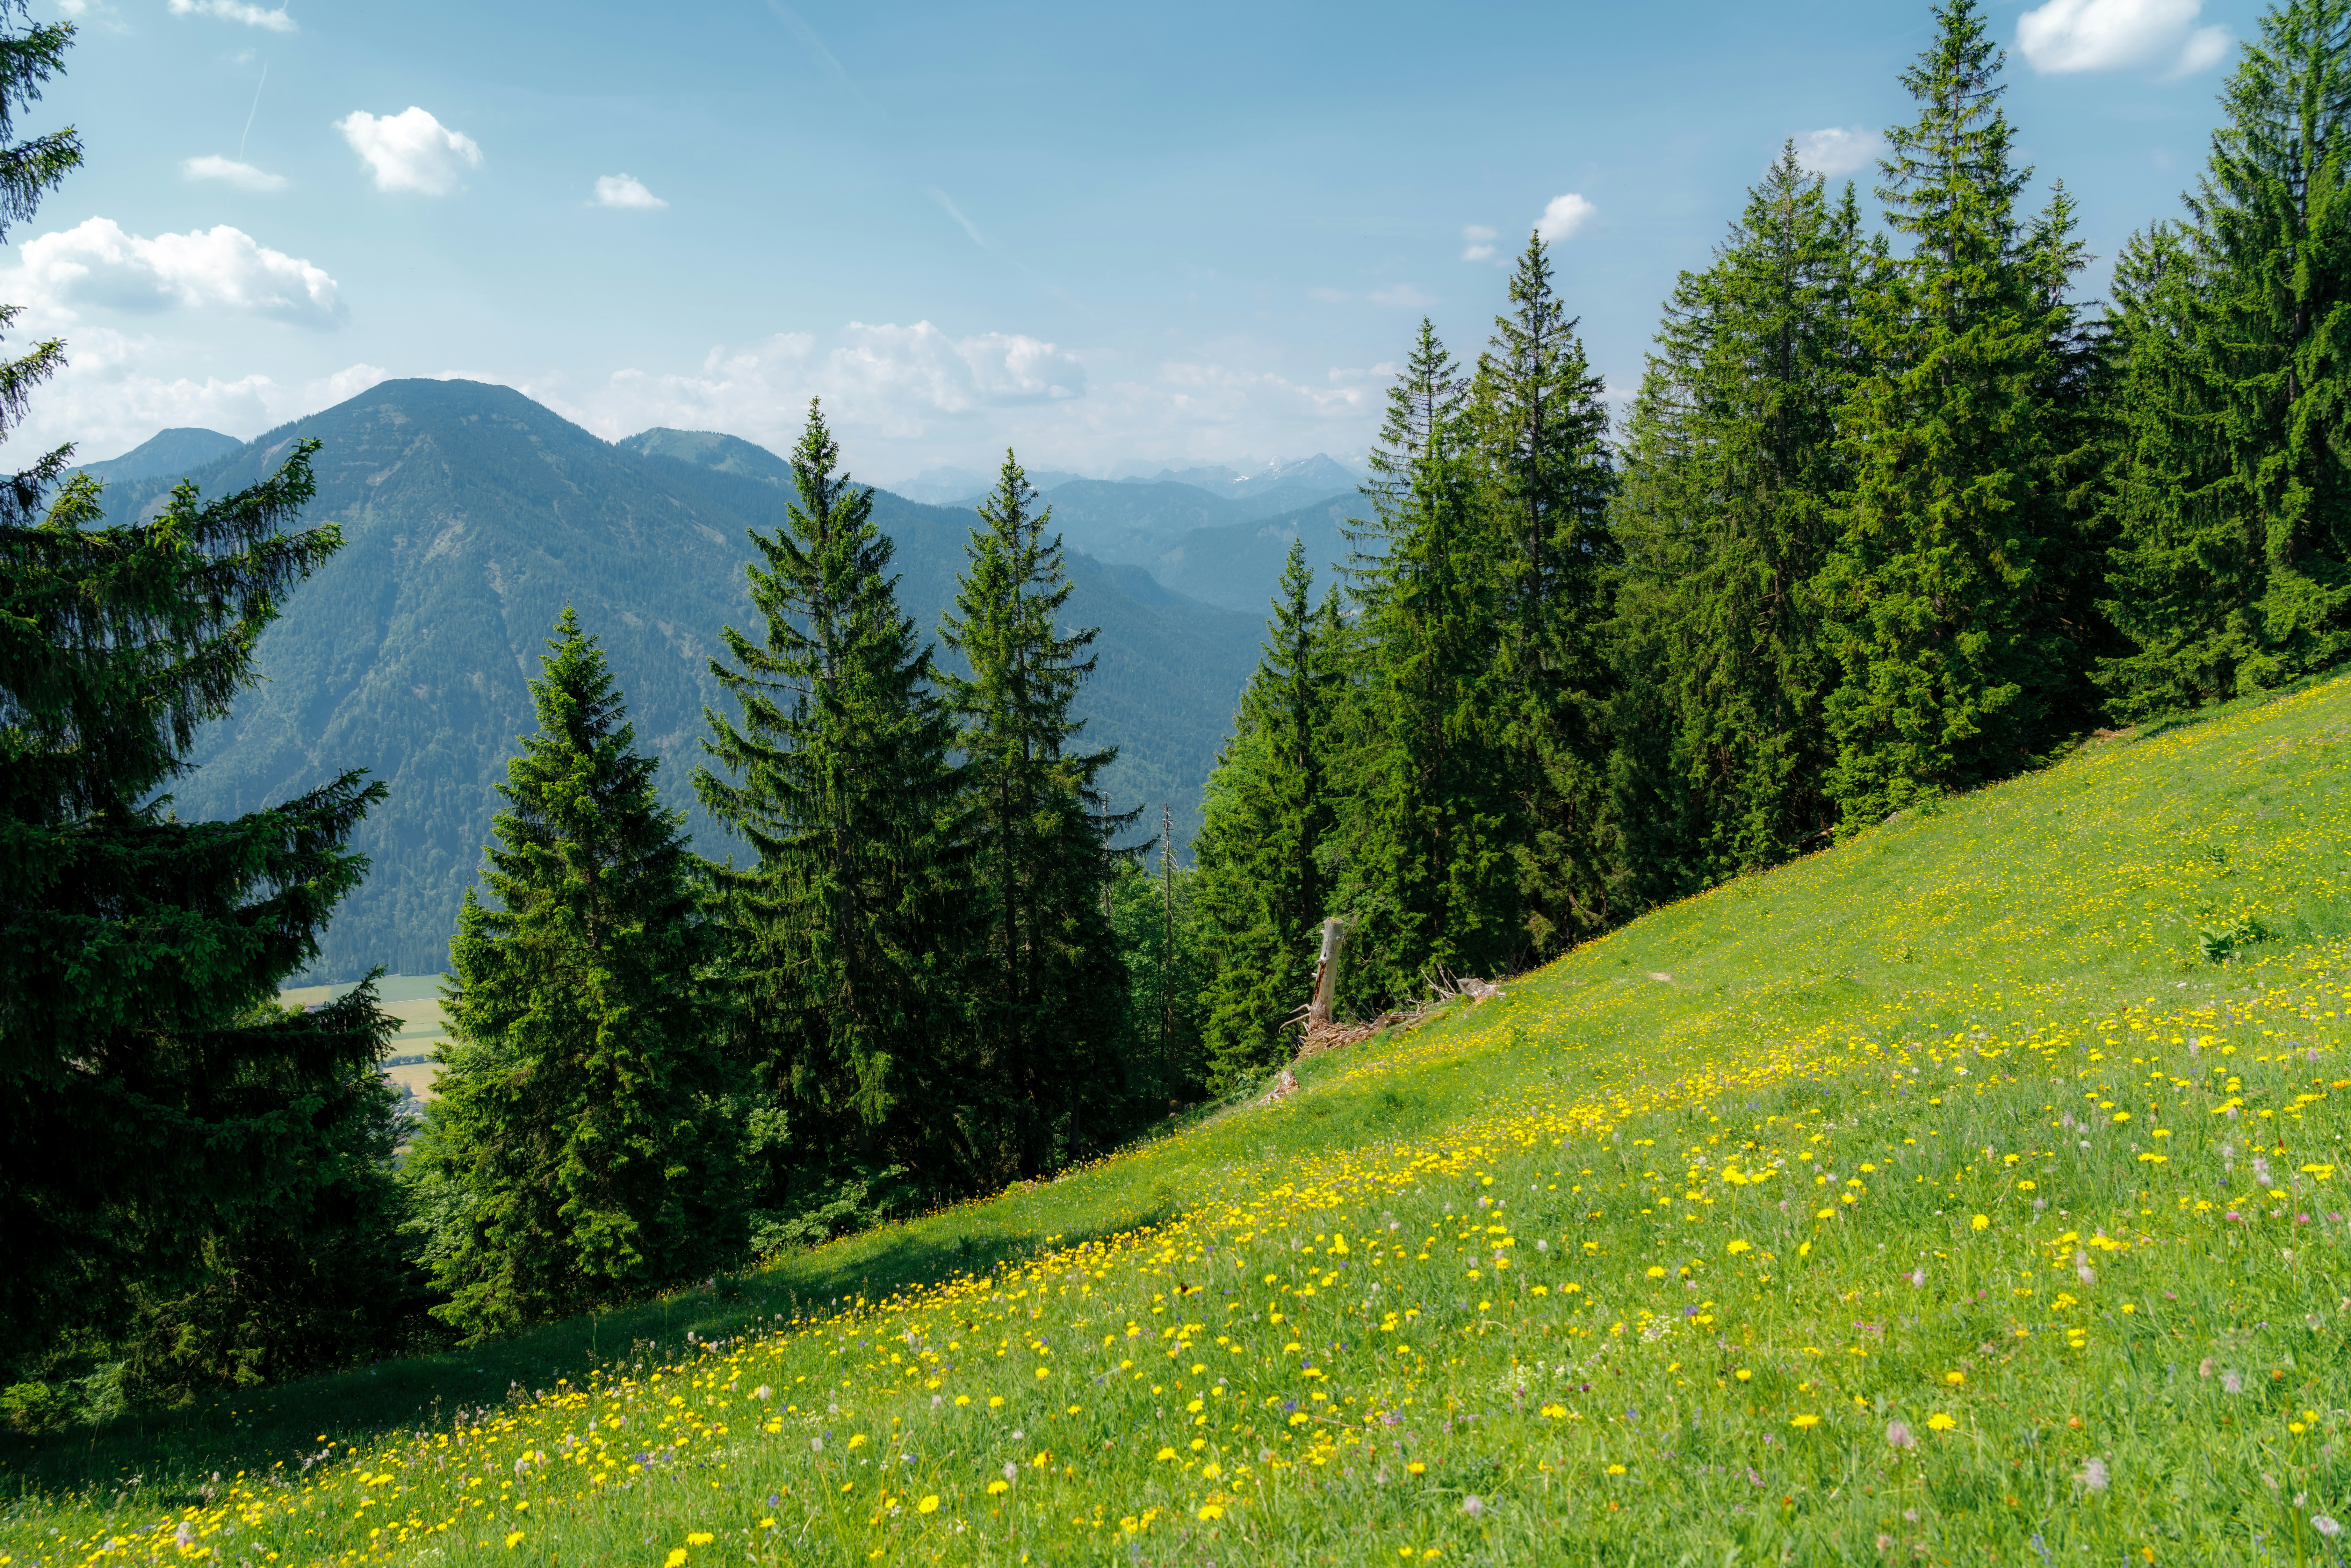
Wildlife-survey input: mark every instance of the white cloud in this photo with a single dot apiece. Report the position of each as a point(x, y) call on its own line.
point(2161, 35)
point(907, 398)
point(1839, 151)
point(277, 21)
point(107, 399)
point(625, 191)
point(1480, 246)
point(2206, 47)
point(410, 150)
point(1562, 217)
point(97, 264)
point(898, 380)
point(230, 171)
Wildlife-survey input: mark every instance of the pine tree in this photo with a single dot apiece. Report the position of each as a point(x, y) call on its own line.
point(580, 1151)
point(2234, 573)
point(1731, 469)
point(851, 936)
point(1260, 886)
point(1949, 581)
point(1053, 983)
point(146, 1098)
point(1427, 880)
point(1540, 426)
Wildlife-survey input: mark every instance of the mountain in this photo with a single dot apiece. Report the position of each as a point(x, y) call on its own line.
point(1123, 520)
point(963, 486)
point(168, 454)
point(1224, 551)
point(1295, 481)
point(709, 449)
point(471, 516)
point(1239, 565)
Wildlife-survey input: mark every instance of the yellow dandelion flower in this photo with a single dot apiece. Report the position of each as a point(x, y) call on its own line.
point(928, 1505)
point(1938, 1422)
point(1804, 1423)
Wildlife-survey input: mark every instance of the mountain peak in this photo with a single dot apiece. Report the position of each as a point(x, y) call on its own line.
point(180, 450)
point(709, 449)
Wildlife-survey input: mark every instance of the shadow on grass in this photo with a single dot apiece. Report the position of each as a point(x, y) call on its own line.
point(150, 1459)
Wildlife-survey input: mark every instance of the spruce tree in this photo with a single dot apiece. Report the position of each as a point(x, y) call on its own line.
point(1427, 879)
point(148, 1096)
point(1731, 469)
point(1260, 890)
point(1053, 983)
point(851, 935)
point(2235, 572)
point(1540, 426)
point(1949, 581)
point(580, 1151)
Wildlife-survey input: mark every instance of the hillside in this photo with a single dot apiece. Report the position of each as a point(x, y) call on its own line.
point(1970, 1192)
point(471, 516)
point(1239, 565)
point(166, 454)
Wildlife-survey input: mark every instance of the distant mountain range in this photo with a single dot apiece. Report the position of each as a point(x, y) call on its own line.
point(471, 517)
point(1237, 565)
point(961, 486)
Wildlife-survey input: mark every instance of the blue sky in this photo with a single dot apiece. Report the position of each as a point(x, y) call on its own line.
point(1104, 234)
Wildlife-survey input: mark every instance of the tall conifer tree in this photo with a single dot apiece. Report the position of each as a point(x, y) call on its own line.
point(1545, 474)
point(1427, 877)
point(2235, 569)
point(1261, 889)
point(152, 1101)
point(580, 1150)
point(1052, 978)
point(1731, 469)
point(1948, 580)
point(852, 935)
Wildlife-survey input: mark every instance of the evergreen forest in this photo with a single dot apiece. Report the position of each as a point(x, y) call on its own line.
point(1897, 512)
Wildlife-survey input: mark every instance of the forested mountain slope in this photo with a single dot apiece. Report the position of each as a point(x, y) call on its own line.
point(471, 516)
point(167, 454)
point(1239, 565)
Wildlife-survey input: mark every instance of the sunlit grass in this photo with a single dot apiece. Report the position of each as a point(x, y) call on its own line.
point(1935, 1198)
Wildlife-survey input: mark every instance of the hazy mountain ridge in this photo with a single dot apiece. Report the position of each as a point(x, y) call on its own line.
point(471, 516)
point(167, 454)
point(1239, 565)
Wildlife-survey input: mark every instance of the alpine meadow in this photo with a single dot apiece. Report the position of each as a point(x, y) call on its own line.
point(1748, 964)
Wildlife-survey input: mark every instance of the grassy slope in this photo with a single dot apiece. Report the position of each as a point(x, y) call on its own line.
point(1839, 1213)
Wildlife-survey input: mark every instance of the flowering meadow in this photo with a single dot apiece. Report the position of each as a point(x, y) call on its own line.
point(1972, 1192)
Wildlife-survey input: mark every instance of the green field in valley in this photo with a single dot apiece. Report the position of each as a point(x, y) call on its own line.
point(1971, 1192)
point(415, 1001)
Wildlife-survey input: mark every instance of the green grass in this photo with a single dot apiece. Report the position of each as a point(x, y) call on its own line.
point(1935, 1197)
